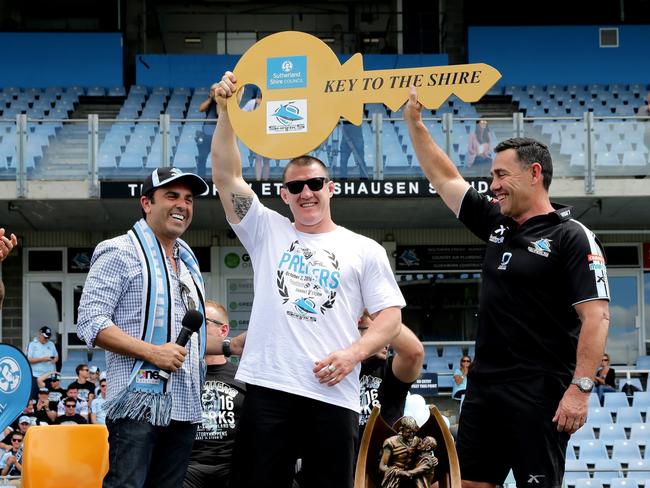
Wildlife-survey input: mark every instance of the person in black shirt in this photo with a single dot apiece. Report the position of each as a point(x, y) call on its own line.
point(70, 416)
point(83, 384)
point(385, 380)
point(605, 378)
point(543, 313)
point(52, 381)
point(222, 398)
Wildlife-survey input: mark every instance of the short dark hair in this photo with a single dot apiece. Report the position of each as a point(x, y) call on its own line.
point(80, 367)
point(305, 160)
point(148, 196)
point(530, 151)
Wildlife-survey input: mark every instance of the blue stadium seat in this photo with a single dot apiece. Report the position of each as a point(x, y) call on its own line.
point(628, 415)
point(624, 483)
point(96, 91)
point(611, 432)
point(106, 161)
point(615, 399)
point(641, 399)
point(138, 89)
point(594, 401)
point(453, 353)
point(640, 432)
point(439, 365)
point(570, 453)
point(599, 415)
point(585, 432)
point(635, 382)
point(607, 469)
point(625, 450)
point(574, 470)
point(117, 91)
point(638, 470)
point(633, 158)
point(643, 362)
point(592, 450)
point(588, 483)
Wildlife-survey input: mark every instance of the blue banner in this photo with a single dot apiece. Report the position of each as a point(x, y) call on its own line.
point(15, 384)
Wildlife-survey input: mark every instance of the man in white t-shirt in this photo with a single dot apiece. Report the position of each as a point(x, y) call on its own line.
point(301, 362)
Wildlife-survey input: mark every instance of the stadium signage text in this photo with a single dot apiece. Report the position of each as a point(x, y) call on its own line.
point(346, 189)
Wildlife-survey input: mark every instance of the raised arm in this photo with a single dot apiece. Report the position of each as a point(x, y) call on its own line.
point(409, 355)
point(206, 103)
point(436, 165)
point(234, 193)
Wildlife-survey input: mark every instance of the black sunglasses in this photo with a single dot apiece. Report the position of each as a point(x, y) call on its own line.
point(296, 186)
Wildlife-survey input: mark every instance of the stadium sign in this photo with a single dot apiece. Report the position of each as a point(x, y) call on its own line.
point(393, 188)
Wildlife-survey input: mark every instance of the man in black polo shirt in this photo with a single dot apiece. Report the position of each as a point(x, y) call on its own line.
point(543, 313)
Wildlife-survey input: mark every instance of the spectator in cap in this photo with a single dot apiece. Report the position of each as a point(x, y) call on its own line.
point(129, 274)
point(42, 411)
point(94, 373)
point(42, 356)
point(52, 381)
point(83, 384)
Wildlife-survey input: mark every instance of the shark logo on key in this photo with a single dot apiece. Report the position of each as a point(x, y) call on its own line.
point(287, 113)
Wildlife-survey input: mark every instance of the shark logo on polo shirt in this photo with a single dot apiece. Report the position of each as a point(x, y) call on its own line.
point(541, 247)
point(500, 233)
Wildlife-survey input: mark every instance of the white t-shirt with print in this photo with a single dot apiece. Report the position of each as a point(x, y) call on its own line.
point(310, 290)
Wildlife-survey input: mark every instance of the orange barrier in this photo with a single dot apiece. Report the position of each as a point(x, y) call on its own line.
point(57, 456)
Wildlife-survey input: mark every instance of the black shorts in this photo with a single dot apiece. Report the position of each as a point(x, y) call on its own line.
point(509, 425)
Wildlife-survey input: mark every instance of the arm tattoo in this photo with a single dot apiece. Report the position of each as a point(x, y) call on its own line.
point(241, 204)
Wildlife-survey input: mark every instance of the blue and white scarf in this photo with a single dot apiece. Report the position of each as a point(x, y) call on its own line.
point(147, 397)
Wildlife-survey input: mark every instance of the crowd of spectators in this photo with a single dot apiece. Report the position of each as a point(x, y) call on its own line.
point(80, 403)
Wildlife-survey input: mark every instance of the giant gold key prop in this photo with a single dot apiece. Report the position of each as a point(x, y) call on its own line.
point(305, 90)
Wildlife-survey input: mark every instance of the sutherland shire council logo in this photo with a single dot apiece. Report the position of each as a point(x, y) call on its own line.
point(10, 375)
point(287, 66)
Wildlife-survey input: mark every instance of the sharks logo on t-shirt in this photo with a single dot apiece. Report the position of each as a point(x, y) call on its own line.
point(308, 280)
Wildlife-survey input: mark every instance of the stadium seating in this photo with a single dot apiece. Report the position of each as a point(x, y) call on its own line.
point(619, 143)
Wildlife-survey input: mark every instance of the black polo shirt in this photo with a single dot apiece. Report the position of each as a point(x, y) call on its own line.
point(533, 276)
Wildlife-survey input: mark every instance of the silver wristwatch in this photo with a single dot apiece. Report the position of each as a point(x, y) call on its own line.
point(584, 384)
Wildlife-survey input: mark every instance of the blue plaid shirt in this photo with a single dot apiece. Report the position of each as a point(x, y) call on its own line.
point(112, 296)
